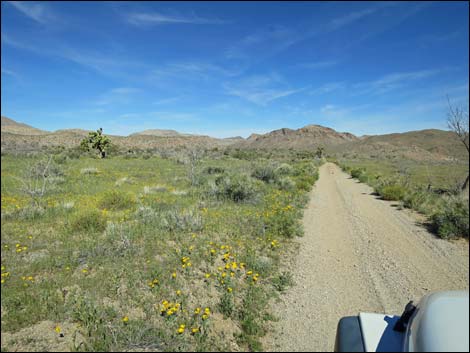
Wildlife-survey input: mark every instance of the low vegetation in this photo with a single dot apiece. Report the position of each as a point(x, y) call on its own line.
point(145, 251)
point(446, 207)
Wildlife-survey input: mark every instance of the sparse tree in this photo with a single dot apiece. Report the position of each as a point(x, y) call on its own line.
point(38, 179)
point(96, 140)
point(457, 121)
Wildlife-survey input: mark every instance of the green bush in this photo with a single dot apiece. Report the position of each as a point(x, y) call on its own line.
point(357, 172)
point(284, 169)
point(214, 170)
point(452, 220)
point(234, 187)
point(116, 200)
point(286, 183)
point(91, 220)
point(265, 172)
point(363, 178)
point(305, 182)
point(283, 281)
point(393, 192)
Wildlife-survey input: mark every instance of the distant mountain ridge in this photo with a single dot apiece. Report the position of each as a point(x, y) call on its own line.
point(307, 137)
point(13, 127)
point(430, 144)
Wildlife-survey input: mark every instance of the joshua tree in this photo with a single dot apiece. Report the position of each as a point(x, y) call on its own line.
point(319, 152)
point(457, 121)
point(96, 140)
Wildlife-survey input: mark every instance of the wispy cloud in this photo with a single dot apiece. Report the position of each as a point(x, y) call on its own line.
point(328, 87)
point(349, 18)
point(274, 39)
point(38, 12)
point(165, 101)
point(190, 70)
point(120, 95)
point(101, 62)
point(318, 64)
point(9, 72)
point(155, 18)
point(393, 81)
point(261, 89)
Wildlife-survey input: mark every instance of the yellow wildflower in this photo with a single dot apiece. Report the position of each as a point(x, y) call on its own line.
point(125, 319)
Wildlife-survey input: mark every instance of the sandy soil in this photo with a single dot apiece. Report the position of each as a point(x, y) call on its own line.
point(359, 253)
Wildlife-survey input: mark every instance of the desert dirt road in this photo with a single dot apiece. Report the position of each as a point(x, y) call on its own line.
point(359, 253)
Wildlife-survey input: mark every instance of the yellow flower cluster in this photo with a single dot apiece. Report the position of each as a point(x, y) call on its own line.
point(207, 313)
point(5, 275)
point(153, 283)
point(168, 308)
point(181, 328)
point(185, 261)
point(20, 248)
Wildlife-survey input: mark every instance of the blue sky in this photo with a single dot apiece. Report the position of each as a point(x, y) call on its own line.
point(233, 68)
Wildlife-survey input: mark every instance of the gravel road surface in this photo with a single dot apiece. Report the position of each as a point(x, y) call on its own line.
point(359, 253)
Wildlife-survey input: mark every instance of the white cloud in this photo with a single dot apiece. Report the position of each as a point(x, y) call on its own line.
point(9, 72)
point(156, 18)
point(318, 64)
point(120, 95)
point(165, 101)
point(393, 81)
point(36, 11)
point(328, 87)
point(261, 89)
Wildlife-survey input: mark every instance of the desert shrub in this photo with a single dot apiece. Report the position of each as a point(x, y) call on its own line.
point(393, 192)
point(363, 178)
point(125, 180)
point(89, 220)
point(265, 172)
point(235, 187)
point(39, 179)
point(184, 220)
point(420, 200)
point(60, 158)
point(308, 168)
point(89, 171)
point(284, 169)
point(452, 220)
point(154, 189)
point(282, 281)
point(116, 200)
point(284, 224)
point(305, 182)
point(357, 172)
point(214, 170)
point(286, 183)
point(73, 153)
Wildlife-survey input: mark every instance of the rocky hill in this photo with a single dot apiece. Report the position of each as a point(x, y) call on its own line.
point(10, 126)
point(307, 138)
point(21, 137)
